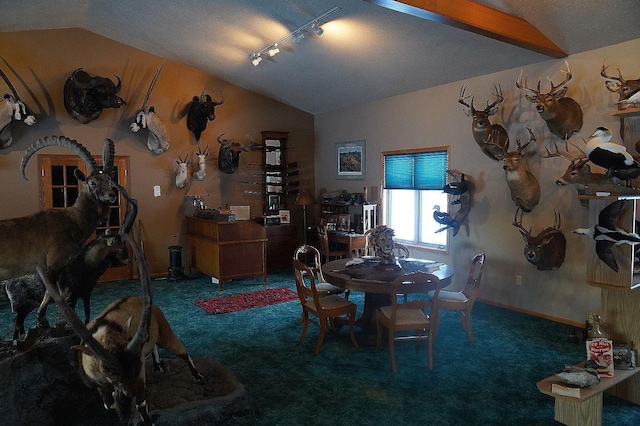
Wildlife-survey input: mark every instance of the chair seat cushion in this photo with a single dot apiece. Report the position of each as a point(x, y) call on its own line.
point(452, 296)
point(407, 316)
point(329, 302)
point(327, 288)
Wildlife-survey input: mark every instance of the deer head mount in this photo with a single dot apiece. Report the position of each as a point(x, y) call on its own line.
point(563, 115)
point(491, 138)
point(624, 88)
point(525, 188)
point(545, 250)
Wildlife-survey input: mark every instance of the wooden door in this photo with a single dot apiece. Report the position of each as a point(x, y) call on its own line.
point(59, 188)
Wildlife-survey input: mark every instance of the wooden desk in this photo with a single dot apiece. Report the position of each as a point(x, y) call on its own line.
point(375, 283)
point(586, 410)
point(226, 250)
point(355, 242)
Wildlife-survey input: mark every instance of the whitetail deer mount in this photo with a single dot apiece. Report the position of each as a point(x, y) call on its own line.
point(563, 115)
point(491, 138)
point(525, 188)
point(545, 250)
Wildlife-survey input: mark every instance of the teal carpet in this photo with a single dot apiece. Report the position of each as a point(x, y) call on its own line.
point(489, 383)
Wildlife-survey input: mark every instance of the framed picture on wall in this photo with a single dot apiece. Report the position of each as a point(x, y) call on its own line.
point(285, 216)
point(241, 212)
point(350, 160)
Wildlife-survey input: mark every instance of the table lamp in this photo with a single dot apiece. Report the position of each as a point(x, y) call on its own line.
point(304, 199)
point(197, 191)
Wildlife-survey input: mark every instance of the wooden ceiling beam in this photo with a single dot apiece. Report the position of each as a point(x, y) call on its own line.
point(480, 19)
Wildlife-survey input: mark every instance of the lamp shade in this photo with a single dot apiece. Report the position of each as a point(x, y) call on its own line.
point(197, 189)
point(304, 198)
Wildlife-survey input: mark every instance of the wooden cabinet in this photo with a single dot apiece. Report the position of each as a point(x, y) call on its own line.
point(226, 250)
point(282, 241)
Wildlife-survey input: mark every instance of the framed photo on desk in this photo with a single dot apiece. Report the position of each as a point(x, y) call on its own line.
point(344, 222)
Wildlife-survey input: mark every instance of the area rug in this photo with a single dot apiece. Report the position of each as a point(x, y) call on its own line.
point(253, 299)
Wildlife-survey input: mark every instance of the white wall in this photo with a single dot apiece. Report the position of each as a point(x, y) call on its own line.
point(433, 117)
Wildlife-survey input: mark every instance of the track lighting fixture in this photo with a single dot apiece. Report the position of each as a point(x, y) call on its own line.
point(296, 36)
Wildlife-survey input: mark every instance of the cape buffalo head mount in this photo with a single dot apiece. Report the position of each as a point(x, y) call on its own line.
point(229, 154)
point(200, 110)
point(85, 96)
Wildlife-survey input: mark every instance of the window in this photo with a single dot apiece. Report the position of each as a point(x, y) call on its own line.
point(412, 185)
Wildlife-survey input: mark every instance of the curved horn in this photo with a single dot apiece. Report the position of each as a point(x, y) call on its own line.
point(71, 144)
point(142, 333)
point(222, 142)
point(91, 83)
point(130, 213)
point(221, 99)
point(79, 327)
point(108, 156)
point(119, 85)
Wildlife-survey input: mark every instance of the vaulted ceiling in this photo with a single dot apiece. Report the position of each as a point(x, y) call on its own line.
point(369, 50)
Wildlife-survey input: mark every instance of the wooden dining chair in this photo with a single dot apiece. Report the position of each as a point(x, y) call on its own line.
point(400, 250)
point(324, 288)
point(410, 313)
point(462, 301)
point(327, 250)
point(324, 308)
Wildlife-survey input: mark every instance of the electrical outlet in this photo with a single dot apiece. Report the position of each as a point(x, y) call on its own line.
point(518, 279)
point(156, 191)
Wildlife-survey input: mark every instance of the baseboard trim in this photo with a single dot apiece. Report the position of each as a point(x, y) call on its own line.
point(533, 313)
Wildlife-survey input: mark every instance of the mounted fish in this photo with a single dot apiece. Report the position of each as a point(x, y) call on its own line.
point(85, 96)
point(200, 110)
point(158, 137)
point(491, 138)
point(545, 250)
point(12, 109)
point(563, 115)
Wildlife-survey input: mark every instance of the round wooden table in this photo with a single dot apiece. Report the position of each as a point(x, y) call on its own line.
point(374, 280)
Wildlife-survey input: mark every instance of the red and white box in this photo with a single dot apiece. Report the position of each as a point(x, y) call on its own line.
point(601, 351)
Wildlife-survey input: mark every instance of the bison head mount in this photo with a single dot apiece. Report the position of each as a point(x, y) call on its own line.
point(85, 96)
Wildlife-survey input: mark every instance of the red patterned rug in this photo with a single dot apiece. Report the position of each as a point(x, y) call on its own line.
point(253, 299)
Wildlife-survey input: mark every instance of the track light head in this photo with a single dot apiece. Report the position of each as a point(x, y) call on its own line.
point(297, 37)
point(319, 31)
point(274, 50)
point(255, 59)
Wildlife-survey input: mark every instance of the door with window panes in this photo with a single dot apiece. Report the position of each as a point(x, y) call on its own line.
point(59, 188)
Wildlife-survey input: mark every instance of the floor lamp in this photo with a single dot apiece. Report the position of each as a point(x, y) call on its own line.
point(304, 199)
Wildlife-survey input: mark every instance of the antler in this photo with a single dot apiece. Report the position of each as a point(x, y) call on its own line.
point(517, 222)
point(461, 99)
point(604, 74)
point(499, 97)
point(565, 154)
point(531, 139)
point(555, 89)
point(520, 86)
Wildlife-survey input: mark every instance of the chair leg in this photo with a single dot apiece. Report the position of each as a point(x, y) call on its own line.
point(430, 353)
point(378, 334)
point(466, 324)
point(305, 324)
point(392, 352)
point(323, 328)
point(352, 321)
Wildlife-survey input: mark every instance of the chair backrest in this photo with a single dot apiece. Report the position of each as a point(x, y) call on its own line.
point(417, 290)
point(306, 289)
point(474, 278)
point(323, 241)
point(306, 249)
point(400, 250)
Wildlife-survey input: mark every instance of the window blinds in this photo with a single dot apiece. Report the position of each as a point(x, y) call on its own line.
point(418, 170)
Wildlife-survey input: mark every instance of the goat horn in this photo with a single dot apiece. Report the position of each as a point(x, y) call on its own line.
point(108, 154)
point(142, 333)
point(78, 326)
point(130, 213)
point(71, 144)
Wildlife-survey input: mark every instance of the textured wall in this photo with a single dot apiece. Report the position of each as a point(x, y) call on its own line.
point(44, 60)
point(434, 117)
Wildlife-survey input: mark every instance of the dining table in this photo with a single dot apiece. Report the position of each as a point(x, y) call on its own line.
point(368, 275)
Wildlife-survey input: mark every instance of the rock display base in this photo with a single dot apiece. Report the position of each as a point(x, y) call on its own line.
point(40, 384)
